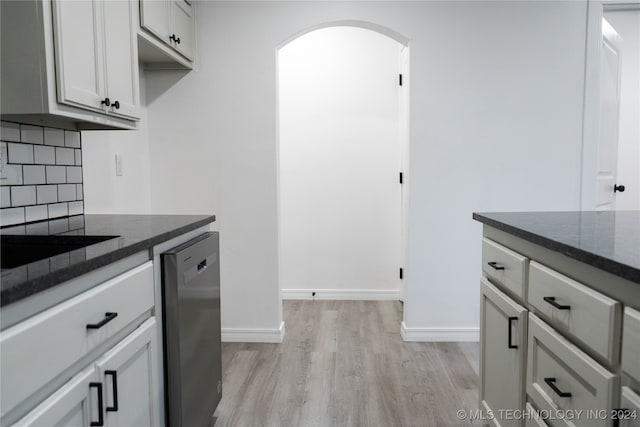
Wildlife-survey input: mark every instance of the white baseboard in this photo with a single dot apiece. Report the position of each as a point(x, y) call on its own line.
point(342, 294)
point(253, 335)
point(440, 334)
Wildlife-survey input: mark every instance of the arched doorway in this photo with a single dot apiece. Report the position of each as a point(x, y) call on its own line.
point(342, 146)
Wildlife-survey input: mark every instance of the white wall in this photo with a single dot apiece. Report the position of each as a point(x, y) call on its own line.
point(496, 122)
point(106, 193)
point(339, 159)
point(627, 25)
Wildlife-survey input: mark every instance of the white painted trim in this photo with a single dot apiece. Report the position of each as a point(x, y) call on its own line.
point(439, 334)
point(253, 335)
point(342, 294)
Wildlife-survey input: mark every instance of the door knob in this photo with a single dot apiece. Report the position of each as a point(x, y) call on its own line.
point(619, 188)
point(106, 102)
point(116, 105)
point(174, 38)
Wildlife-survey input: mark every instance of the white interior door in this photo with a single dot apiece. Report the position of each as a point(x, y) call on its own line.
point(339, 164)
point(610, 63)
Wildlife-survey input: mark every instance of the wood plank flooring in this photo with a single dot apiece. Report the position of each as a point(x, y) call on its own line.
point(343, 363)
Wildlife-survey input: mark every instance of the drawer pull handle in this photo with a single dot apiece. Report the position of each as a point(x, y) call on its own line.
point(552, 301)
point(100, 421)
point(495, 265)
point(114, 375)
point(551, 383)
point(509, 345)
point(108, 317)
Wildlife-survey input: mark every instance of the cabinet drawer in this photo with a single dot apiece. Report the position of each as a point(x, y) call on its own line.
point(505, 267)
point(631, 343)
point(588, 316)
point(532, 420)
point(35, 351)
point(555, 367)
point(630, 408)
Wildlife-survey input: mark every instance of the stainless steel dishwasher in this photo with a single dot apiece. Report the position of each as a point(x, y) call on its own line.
point(192, 347)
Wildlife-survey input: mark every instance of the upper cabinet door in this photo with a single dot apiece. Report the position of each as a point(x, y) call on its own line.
point(121, 58)
point(78, 38)
point(154, 16)
point(182, 27)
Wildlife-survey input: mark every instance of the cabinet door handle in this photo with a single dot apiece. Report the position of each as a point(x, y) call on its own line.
point(106, 102)
point(495, 265)
point(552, 301)
point(108, 317)
point(114, 375)
point(619, 188)
point(100, 421)
point(174, 38)
point(116, 105)
point(551, 382)
point(509, 345)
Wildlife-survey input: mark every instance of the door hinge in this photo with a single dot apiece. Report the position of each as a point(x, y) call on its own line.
point(400, 79)
point(401, 273)
point(401, 178)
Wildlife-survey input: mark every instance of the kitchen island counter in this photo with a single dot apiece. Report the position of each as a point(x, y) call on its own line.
point(607, 240)
point(135, 234)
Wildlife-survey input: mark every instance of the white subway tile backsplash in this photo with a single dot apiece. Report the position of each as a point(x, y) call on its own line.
point(11, 175)
point(58, 210)
point(5, 198)
point(10, 132)
point(47, 194)
point(72, 139)
point(36, 213)
point(74, 174)
point(33, 174)
point(31, 134)
point(54, 137)
point(44, 155)
point(65, 156)
point(66, 192)
point(76, 208)
point(12, 216)
point(20, 153)
point(56, 175)
point(4, 153)
point(40, 174)
point(23, 195)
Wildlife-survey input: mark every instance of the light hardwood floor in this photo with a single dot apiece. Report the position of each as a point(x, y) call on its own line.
point(343, 363)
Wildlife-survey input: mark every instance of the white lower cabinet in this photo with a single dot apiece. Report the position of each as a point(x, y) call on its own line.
point(70, 406)
point(532, 420)
point(119, 389)
point(503, 326)
point(563, 378)
point(629, 408)
point(128, 374)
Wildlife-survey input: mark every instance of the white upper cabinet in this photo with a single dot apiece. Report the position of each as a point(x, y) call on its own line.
point(79, 63)
point(182, 27)
point(121, 58)
point(70, 64)
point(96, 56)
point(167, 32)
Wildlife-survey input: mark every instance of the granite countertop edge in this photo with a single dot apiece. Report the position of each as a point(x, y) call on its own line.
point(31, 287)
point(603, 263)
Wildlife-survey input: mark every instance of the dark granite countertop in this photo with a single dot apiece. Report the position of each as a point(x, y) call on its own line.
point(135, 233)
point(608, 240)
